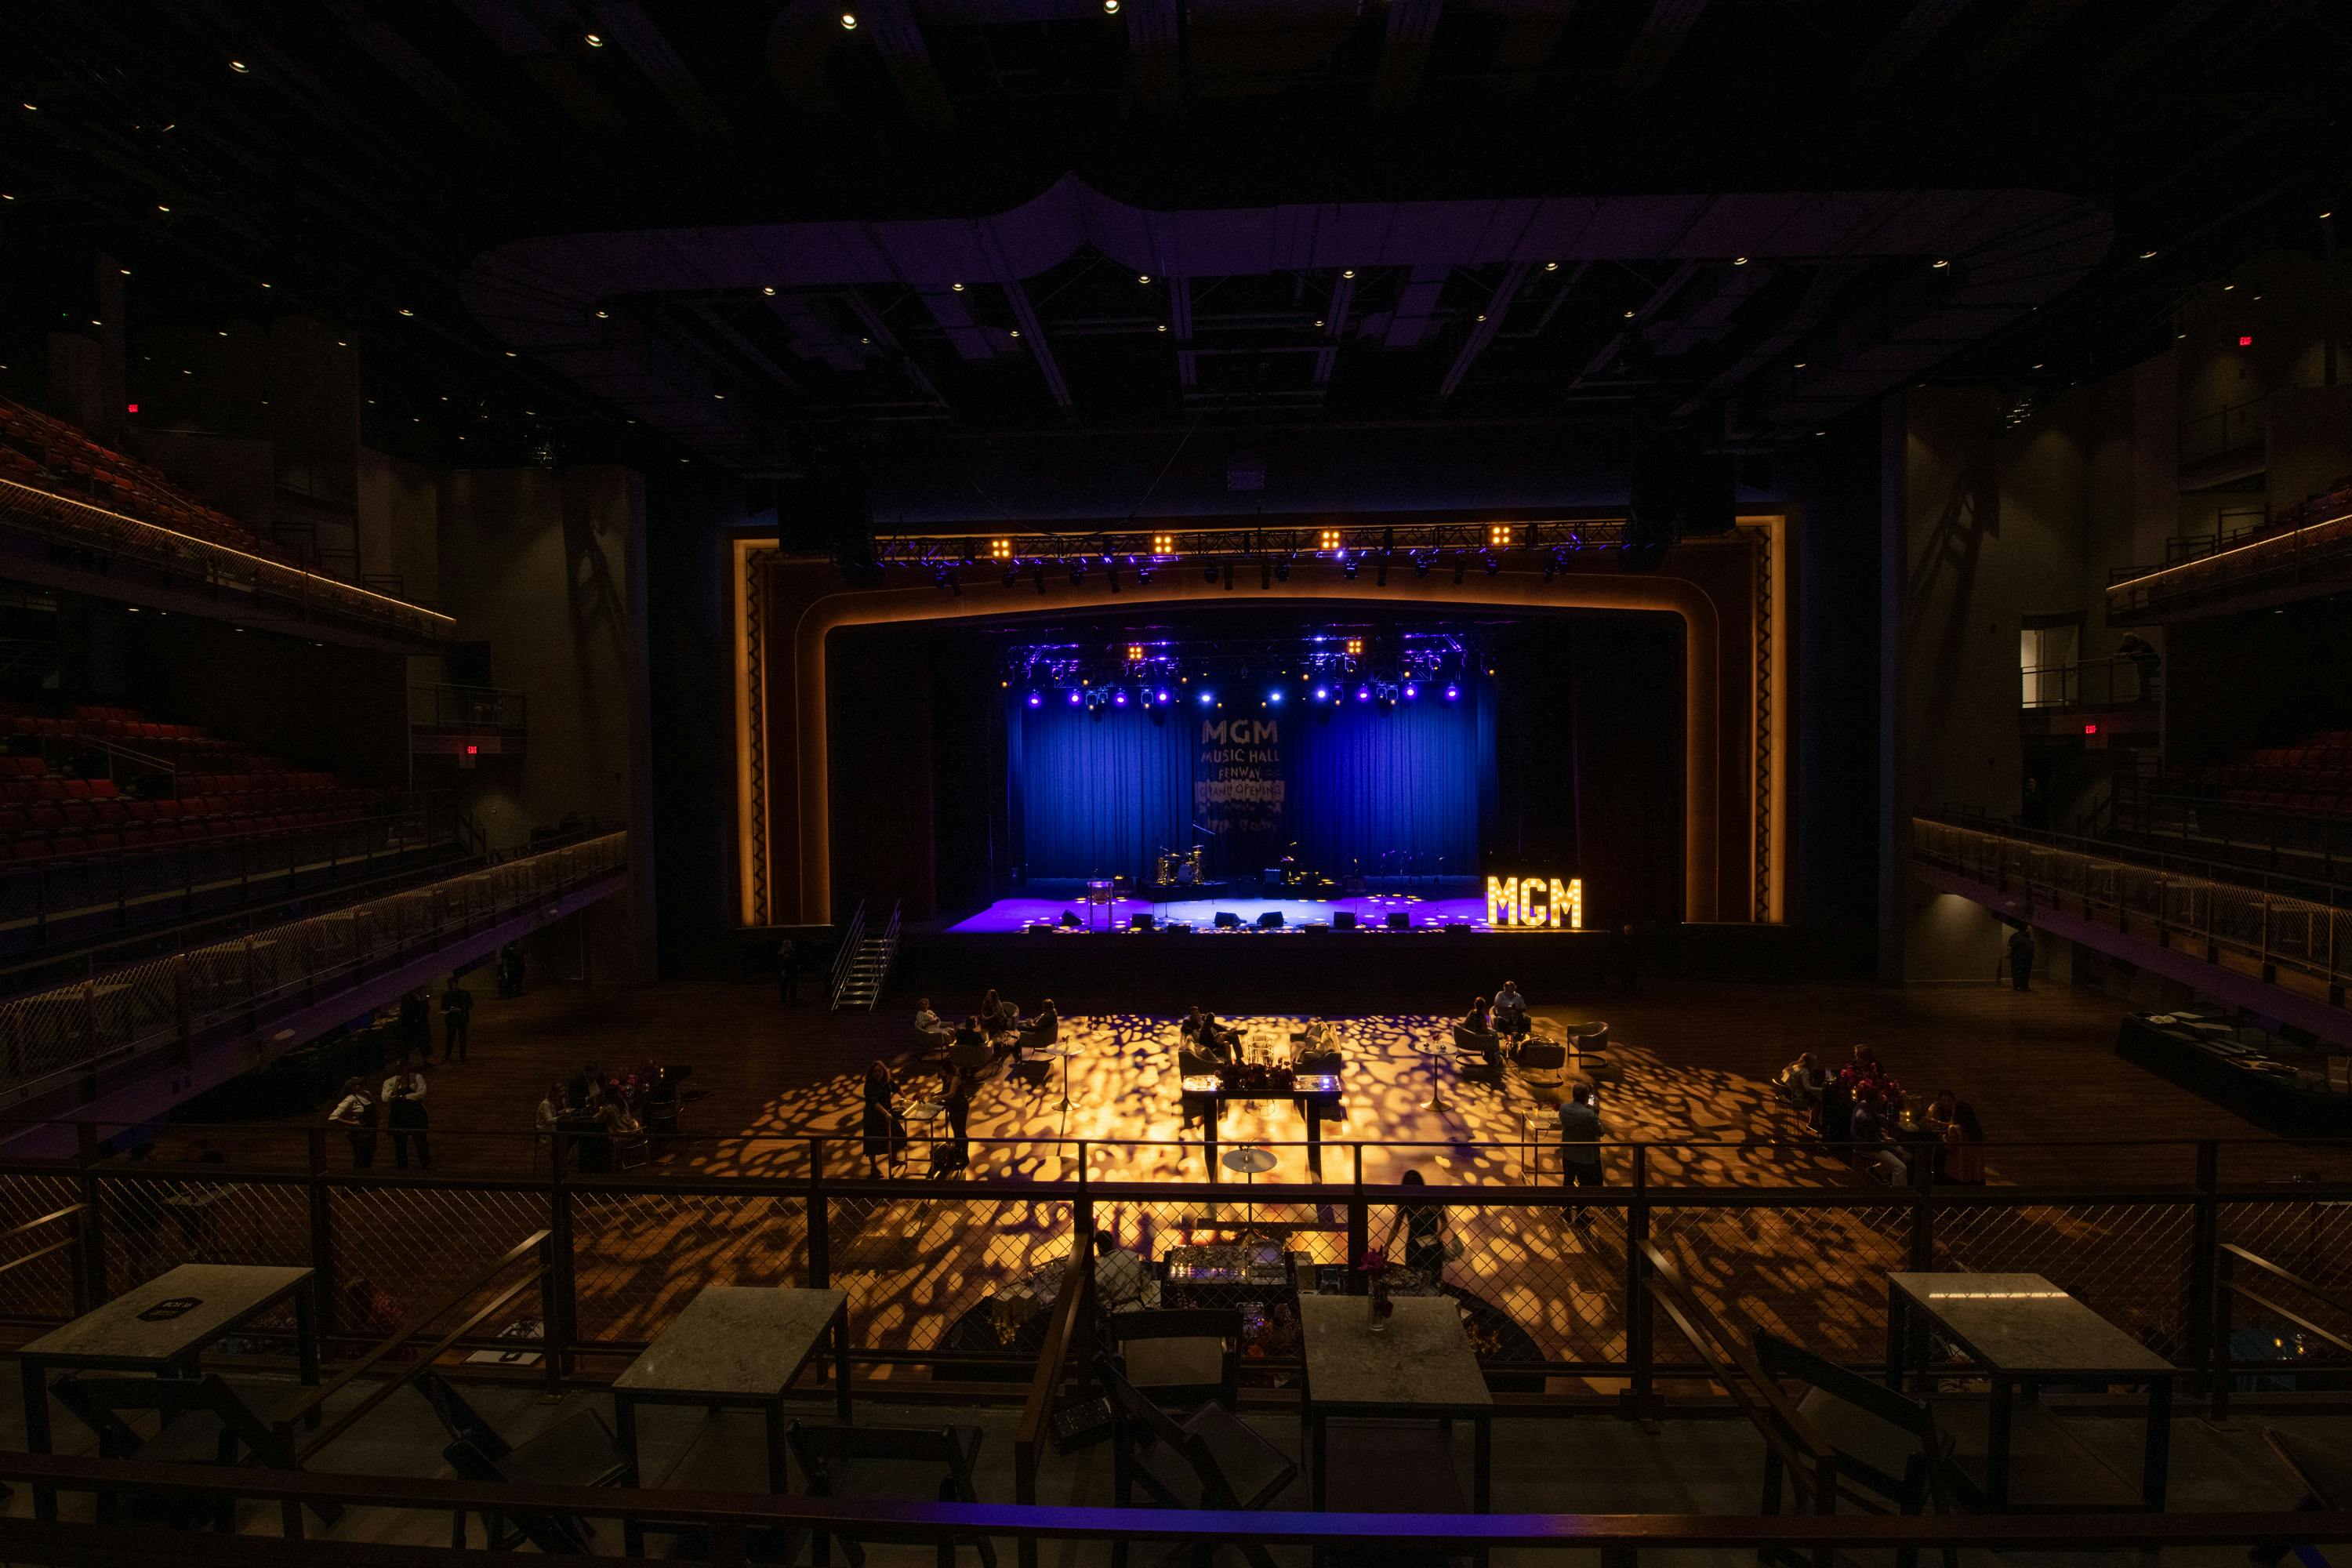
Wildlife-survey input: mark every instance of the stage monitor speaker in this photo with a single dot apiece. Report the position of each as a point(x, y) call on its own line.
point(1070, 919)
point(1227, 920)
point(1039, 928)
point(1140, 921)
point(1399, 920)
point(1270, 920)
point(1459, 928)
point(1178, 928)
point(1344, 919)
point(1316, 927)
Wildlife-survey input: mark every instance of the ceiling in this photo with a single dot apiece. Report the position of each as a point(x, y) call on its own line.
point(743, 226)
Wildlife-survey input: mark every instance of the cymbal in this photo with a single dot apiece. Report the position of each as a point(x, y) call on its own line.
point(1253, 1160)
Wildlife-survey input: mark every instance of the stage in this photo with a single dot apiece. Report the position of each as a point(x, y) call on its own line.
point(1422, 912)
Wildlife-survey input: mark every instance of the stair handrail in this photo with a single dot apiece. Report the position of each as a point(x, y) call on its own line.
point(843, 959)
point(889, 952)
point(144, 759)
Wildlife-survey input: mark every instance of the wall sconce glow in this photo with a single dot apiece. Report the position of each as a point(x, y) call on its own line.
point(1535, 903)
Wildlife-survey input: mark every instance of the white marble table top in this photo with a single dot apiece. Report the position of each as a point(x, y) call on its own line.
point(225, 1294)
point(1423, 1362)
point(741, 1340)
point(2023, 1324)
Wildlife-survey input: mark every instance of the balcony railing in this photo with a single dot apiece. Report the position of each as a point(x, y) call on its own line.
point(2118, 682)
point(2233, 562)
point(2259, 836)
point(108, 1020)
point(2272, 929)
point(97, 540)
point(2226, 429)
point(446, 706)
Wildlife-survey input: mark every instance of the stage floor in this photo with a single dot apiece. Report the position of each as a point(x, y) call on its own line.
point(1371, 912)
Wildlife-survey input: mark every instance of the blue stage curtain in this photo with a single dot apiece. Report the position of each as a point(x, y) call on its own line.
point(1394, 794)
point(1098, 798)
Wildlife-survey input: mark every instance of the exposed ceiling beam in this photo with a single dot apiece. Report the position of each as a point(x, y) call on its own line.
point(715, 319)
point(1335, 326)
point(1525, 47)
point(1033, 338)
point(625, 22)
point(947, 308)
point(1655, 48)
point(1179, 308)
point(1155, 66)
point(1482, 331)
point(1416, 302)
point(1920, 27)
point(906, 55)
point(546, 60)
point(887, 342)
point(1404, 52)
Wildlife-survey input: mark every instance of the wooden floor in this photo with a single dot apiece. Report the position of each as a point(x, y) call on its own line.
point(2039, 1067)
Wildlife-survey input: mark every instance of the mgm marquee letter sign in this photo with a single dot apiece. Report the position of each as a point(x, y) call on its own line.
point(1535, 903)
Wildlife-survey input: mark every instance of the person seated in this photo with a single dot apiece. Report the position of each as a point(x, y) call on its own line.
point(1008, 1014)
point(1190, 1029)
point(1472, 1035)
point(929, 1023)
point(1123, 1281)
point(1802, 1082)
point(1217, 1039)
point(1511, 1015)
point(616, 1117)
point(1041, 1030)
point(1871, 1145)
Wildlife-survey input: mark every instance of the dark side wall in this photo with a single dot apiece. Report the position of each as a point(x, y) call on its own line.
point(2264, 678)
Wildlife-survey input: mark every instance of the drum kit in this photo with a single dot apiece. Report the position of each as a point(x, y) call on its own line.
point(1178, 869)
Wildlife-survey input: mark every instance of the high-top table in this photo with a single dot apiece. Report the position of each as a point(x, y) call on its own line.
point(163, 1328)
point(1422, 1369)
point(735, 1347)
point(2023, 1331)
point(1312, 1092)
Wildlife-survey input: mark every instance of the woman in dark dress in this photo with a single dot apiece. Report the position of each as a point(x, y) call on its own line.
point(1424, 1234)
point(884, 1127)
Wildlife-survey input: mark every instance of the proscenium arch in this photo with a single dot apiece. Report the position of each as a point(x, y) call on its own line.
point(1678, 597)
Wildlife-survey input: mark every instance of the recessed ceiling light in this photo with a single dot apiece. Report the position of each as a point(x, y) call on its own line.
point(2329, 214)
point(848, 25)
point(406, 312)
point(1161, 327)
point(1482, 315)
point(1629, 315)
point(1740, 261)
point(593, 41)
point(1941, 263)
point(867, 341)
point(1347, 272)
point(2037, 364)
point(1319, 321)
point(510, 354)
point(604, 315)
point(2227, 287)
point(719, 395)
point(265, 285)
point(2148, 255)
point(770, 291)
point(1016, 331)
point(1551, 266)
point(1110, 8)
point(1143, 277)
point(96, 322)
point(122, 271)
point(956, 288)
point(32, 108)
point(161, 208)
point(222, 334)
point(1799, 365)
point(240, 67)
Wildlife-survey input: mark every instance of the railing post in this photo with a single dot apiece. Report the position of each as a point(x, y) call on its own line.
point(2204, 1253)
point(1922, 1211)
point(820, 1237)
point(561, 1294)
point(323, 1292)
point(1639, 1358)
point(89, 1281)
point(2217, 1362)
point(1082, 1213)
point(1360, 1220)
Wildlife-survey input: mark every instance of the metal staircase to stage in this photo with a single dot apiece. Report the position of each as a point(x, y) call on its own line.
point(863, 965)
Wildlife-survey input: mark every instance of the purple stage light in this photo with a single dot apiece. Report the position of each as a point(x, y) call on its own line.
point(1075, 697)
point(1452, 691)
point(1322, 694)
point(1207, 696)
point(1274, 696)
point(1118, 698)
point(1363, 694)
point(1163, 694)
point(1410, 691)
point(1035, 701)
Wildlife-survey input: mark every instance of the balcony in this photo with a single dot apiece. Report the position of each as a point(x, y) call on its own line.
point(2293, 558)
point(468, 722)
point(2096, 697)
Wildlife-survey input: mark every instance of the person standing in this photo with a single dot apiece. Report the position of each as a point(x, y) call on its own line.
point(457, 1020)
point(2020, 958)
point(416, 1024)
point(788, 972)
point(357, 1114)
point(1580, 1131)
point(403, 1103)
point(956, 1105)
point(883, 1126)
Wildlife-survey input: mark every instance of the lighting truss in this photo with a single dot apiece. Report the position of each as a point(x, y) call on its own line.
point(1417, 544)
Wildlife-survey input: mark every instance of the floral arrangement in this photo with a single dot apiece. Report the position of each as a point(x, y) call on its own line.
point(1375, 1267)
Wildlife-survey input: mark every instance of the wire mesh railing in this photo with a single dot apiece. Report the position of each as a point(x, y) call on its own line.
point(2273, 929)
point(111, 1018)
point(958, 1277)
